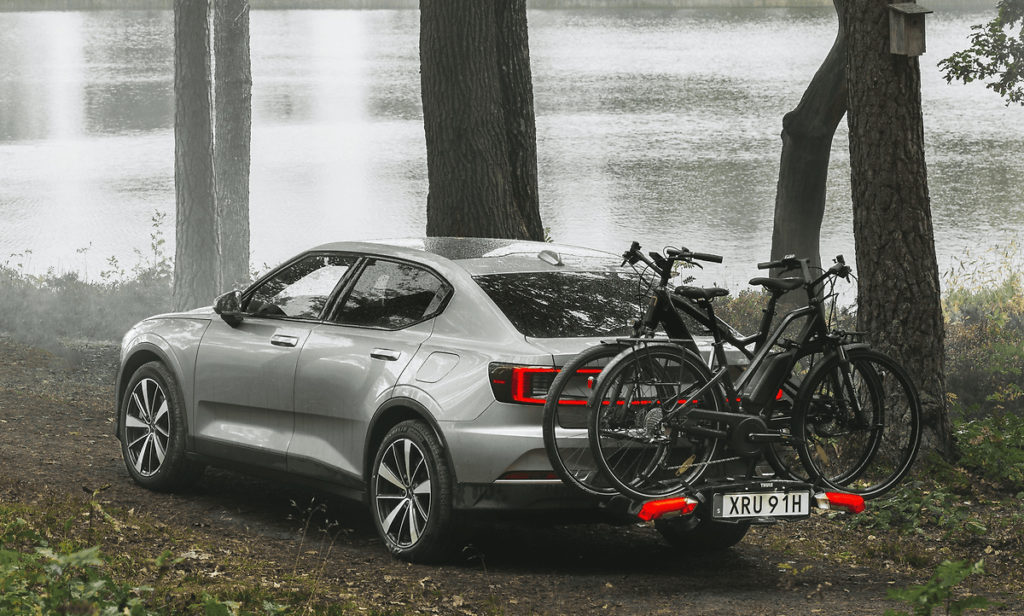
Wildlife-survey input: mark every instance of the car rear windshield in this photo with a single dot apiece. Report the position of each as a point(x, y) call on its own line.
point(566, 304)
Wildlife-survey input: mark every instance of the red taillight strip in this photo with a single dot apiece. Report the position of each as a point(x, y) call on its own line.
point(520, 380)
point(652, 510)
point(848, 502)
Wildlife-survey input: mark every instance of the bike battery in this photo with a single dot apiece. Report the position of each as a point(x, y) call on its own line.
point(764, 384)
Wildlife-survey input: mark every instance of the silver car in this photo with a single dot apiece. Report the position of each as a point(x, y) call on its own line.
point(410, 374)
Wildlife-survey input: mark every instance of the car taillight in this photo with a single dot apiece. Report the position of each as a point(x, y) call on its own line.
point(530, 384)
point(520, 384)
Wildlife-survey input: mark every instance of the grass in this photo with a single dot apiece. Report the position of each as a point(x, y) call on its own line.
point(73, 556)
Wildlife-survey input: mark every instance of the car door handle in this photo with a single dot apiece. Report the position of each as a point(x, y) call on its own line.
point(283, 340)
point(385, 354)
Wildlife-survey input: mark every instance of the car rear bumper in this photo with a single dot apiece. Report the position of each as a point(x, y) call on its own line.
point(544, 496)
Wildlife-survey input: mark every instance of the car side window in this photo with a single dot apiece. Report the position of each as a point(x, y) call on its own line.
point(300, 290)
point(392, 295)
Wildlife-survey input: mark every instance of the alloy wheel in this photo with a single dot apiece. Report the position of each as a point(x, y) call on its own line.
point(403, 492)
point(147, 427)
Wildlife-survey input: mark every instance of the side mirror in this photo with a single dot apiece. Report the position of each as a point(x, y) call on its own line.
point(229, 307)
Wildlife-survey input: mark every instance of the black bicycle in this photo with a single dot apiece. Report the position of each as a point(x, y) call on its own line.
point(820, 406)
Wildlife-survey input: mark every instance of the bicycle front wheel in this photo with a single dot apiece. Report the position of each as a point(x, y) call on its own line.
point(565, 420)
point(858, 424)
point(640, 433)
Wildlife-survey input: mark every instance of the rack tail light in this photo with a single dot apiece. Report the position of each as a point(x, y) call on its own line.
point(851, 503)
point(652, 510)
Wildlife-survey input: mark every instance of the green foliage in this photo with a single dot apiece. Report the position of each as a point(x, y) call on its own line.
point(743, 310)
point(915, 505)
point(43, 308)
point(994, 52)
point(984, 309)
point(938, 591)
point(48, 581)
point(993, 448)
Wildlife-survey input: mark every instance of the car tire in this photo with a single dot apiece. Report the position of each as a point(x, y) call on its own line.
point(701, 535)
point(154, 430)
point(411, 495)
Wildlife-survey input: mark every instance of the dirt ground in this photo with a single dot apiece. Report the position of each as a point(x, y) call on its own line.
point(56, 439)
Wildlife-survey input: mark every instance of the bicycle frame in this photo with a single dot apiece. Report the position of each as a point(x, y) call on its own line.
point(766, 373)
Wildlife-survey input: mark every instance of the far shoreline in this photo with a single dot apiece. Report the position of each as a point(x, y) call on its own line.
point(85, 5)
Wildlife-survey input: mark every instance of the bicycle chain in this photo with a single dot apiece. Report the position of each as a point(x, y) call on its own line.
point(686, 467)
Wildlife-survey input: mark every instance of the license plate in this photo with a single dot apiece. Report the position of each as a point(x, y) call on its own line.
point(762, 504)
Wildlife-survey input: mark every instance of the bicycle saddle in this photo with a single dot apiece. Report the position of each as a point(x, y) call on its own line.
point(700, 293)
point(778, 285)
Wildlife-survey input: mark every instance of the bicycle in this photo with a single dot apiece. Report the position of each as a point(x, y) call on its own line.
point(565, 411)
point(658, 414)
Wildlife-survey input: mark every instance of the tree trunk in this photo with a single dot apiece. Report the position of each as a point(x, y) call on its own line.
point(196, 253)
point(807, 133)
point(520, 122)
point(898, 294)
point(478, 119)
point(233, 113)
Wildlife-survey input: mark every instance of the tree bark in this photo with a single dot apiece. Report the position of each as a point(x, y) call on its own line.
point(233, 117)
point(196, 252)
point(807, 133)
point(898, 293)
point(478, 119)
point(520, 121)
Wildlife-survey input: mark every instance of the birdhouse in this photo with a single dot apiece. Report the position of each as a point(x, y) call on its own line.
point(906, 28)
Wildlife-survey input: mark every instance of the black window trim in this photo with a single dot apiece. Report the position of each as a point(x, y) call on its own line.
point(335, 303)
point(341, 284)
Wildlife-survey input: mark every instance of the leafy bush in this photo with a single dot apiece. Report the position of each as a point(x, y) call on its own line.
point(984, 309)
point(44, 308)
point(46, 581)
point(938, 591)
point(914, 505)
point(993, 447)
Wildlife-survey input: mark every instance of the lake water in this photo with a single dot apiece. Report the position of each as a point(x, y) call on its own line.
point(660, 126)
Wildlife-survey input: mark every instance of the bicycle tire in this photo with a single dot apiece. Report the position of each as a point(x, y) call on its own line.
point(783, 457)
point(867, 454)
point(566, 438)
point(640, 453)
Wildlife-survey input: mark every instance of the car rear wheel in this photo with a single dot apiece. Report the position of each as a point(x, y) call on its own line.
point(411, 494)
point(153, 440)
point(702, 534)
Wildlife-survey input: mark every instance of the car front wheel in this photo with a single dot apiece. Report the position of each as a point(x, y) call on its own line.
point(411, 494)
point(153, 441)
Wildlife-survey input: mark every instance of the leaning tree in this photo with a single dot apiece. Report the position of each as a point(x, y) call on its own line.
point(478, 119)
point(807, 133)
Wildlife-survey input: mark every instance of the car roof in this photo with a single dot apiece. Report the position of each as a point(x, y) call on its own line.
point(479, 256)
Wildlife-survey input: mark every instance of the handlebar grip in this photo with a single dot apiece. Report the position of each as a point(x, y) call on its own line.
point(788, 262)
point(703, 256)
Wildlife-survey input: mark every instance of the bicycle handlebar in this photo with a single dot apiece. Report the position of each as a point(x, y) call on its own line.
point(686, 254)
point(786, 262)
point(657, 261)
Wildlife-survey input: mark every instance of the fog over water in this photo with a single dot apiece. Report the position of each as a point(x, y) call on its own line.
point(661, 126)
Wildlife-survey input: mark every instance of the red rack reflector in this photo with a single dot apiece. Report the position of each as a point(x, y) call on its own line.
point(652, 510)
point(851, 503)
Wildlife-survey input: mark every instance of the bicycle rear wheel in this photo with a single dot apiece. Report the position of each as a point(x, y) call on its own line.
point(644, 447)
point(565, 420)
point(858, 427)
point(783, 457)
